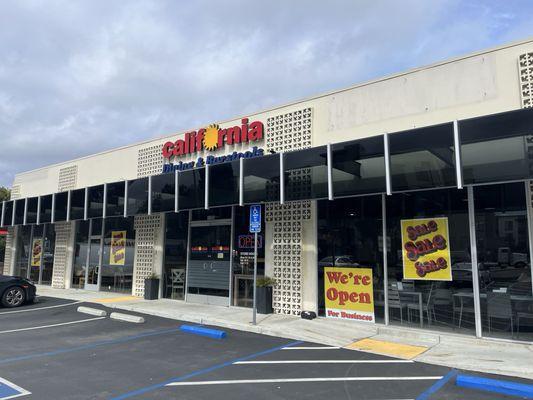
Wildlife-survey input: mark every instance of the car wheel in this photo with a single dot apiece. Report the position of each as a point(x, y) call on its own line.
point(13, 297)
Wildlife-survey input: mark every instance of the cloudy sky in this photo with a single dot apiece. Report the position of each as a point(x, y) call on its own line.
point(82, 76)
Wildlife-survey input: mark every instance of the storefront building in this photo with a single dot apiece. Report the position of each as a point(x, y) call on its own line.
point(402, 201)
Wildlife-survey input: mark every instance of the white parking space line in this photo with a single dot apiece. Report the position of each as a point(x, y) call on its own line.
point(40, 308)
point(325, 362)
point(52, 326)
point(312, 348)
point(11, 385)
point(297, 380)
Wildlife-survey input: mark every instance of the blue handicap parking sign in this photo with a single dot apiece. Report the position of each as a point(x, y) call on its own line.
point(255, 218)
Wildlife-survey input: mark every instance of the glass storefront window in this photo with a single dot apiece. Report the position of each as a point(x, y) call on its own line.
point(261, 179)
point(439, 292)
point(306, 174)
point(209, 261)
point(8, 213)
point(77, 204)
point(49, 243)
point(80, 254)
point(45, 212)
point(31, 214)
point(504, 261)
point(163, 192)
point(349, 233)
point(422, 158)
point(19, 211)
point(224, 184)
point(115, 199)
point(211, 214)
point(23, 252)
point(37, 255)
point(60, 206)
point(95, 201)
point(243, 257)
point(191, 189)
point(497, 148)
point(174, 274)
point(117, 260)
point(96, 227)
point(137, 197)
point(358, 167)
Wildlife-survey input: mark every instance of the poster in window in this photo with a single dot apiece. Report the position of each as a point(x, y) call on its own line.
point(36, 252)
point(117, 255)
point(349, 293)
point(426, 249)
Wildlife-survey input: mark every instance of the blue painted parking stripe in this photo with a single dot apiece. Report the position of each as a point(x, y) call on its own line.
point(496, 386)
point(8, 390)
point(200, 372)
point(437, 385)
point(88, 346)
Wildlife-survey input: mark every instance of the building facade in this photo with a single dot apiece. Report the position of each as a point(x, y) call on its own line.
point(419, 181)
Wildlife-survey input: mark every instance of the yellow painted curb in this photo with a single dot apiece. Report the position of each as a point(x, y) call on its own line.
point(115, 299)
point(393, 349)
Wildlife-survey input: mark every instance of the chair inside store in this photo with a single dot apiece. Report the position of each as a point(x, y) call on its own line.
point(431, 305)
point(175, 285)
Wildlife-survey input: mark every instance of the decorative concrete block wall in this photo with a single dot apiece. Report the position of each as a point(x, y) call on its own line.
point(10, 253)
point(64, 233)
point(284, 223)
point(525, 71)
point(147, 244)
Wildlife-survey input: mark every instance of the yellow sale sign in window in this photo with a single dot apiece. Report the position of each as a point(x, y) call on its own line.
point(117, 255)
point(349, 293)
point(36, 252)
point(426, 249)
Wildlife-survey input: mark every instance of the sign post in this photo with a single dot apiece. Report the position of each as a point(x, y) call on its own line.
point(255, 227)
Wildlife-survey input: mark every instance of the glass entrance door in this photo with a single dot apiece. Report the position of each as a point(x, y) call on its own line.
point(209, 264)
point(93, 263)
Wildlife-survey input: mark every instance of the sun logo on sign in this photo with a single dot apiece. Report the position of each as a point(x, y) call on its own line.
point(210, 140)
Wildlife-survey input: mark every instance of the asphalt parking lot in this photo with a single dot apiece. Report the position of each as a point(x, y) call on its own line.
point(50, 351)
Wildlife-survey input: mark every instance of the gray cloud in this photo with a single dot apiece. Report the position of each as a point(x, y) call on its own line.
point(85, 76)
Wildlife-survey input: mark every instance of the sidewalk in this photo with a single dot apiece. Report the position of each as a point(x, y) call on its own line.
point(456, 351)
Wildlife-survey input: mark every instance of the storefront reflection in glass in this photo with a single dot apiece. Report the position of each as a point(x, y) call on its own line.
point(49, 244)
point(444, 300)
point(243, 257)
point(349, 236)
point(504, 261)
point(23, 252)
point(117, 260)
point(36, 253)
point(174, 271)
point(80, 254)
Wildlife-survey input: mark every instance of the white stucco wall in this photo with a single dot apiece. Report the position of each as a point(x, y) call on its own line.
point(483, 83)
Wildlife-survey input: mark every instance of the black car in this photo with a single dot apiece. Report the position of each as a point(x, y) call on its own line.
point(15, 291)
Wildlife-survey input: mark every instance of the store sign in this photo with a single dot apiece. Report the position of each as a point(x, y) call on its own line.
point(247, 241)
point(117, 255)
point(426, 249)
point(36, 252)
point(349, 293)
point(213, 137)
point(210, 160)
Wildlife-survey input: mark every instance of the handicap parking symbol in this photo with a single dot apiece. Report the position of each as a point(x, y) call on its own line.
point(9, 390)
